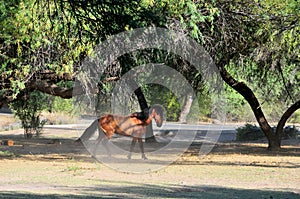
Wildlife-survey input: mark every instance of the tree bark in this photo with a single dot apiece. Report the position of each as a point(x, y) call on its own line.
point(52, 89)
point(44, 81)
point(150, 138)
point(287, 114)
point(186, 108)
point(247, 93)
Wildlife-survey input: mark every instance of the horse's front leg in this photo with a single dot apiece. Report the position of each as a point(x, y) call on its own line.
point(102, 137)
point(98, 140)
point(134, 139)
point(142, 148)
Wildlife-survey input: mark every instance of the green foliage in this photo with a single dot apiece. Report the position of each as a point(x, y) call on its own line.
point(34, 40)
point(191, 14)
point(5, 154)
point(268, 85)
point(28, 111)
point(56, 35)
point(275, 63)
point(295, 117)
point(201, 108)
point(157, 94)
point(235, 108)
point(62, 105)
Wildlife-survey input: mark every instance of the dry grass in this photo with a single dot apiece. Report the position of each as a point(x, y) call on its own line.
point(59, 118)
point(7, 122)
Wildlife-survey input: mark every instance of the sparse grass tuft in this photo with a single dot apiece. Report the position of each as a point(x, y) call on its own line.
point(6, 154)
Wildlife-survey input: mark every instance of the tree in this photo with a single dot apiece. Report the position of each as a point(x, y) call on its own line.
point(230, 30)
point(33, 58)
point(35, 54)
point(266, 33)
point(243, 41)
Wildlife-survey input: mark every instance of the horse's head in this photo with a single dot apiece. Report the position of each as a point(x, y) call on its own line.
point(157, 111)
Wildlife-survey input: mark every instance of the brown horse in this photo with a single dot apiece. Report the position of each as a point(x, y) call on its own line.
point(130, 125)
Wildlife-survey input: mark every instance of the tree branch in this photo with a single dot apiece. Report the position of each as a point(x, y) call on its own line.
point(45, 82)
point(284, 82)
point(52, 89)
point(287, 114)
point(248, 95)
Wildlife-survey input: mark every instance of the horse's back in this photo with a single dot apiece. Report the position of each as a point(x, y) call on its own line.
point(124, 125)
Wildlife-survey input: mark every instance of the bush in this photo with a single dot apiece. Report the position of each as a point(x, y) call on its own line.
point(249, 132)
point(28, 111)
point(290, 132)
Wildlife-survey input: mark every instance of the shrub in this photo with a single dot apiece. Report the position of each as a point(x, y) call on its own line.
point(28, 111)
point(290, 132)
point(249, 132)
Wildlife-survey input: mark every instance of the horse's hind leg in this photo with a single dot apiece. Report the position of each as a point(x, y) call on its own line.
point(131, 147)
point(142, 148)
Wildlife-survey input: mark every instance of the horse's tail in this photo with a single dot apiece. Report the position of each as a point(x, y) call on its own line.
point(89, 131)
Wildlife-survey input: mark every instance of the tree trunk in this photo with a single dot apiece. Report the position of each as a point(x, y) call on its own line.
point(150, 138)
point(186, 108)
point(274, 143)
point(247, 93)
point(285, 117)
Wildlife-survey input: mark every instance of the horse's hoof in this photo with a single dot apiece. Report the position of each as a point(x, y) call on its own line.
point(144, 157)
point(129, 157)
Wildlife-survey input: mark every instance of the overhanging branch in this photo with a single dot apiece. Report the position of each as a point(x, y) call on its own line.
point(53, 89)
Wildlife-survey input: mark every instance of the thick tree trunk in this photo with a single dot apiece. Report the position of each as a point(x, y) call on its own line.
point(186, 108)
point(144, 107)
point(247, 93)
point(274, 143)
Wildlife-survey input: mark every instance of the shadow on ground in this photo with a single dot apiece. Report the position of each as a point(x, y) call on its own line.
point(131, 190)
point(49, 147)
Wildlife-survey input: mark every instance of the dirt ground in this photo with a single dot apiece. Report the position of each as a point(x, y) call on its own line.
point(54, 166)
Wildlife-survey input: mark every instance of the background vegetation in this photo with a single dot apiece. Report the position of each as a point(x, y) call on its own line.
point(42, 44)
